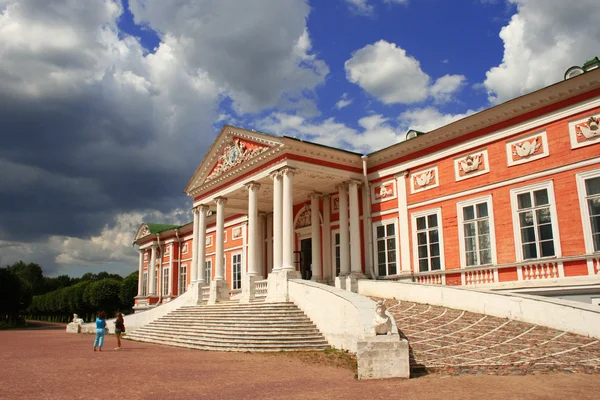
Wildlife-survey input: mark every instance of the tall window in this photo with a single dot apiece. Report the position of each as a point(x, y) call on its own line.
point(385, 238)
point(165, 281)
point(428, 240)
point(156, 276)
point(208, 270)
point(533, 209)
point(182, 278)
point(236, 268)
point(145, 284)
point(589, 196)
point(476, 232)
point(337, 252)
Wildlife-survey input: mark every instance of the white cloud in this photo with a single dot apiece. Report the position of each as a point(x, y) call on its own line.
point(388, 73)
point(361, 7)
point(541, 41)
point(428, 118)
point(344, 101)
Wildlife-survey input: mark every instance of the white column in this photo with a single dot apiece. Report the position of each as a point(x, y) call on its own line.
point(327, 272)
point(151, 272)
point(287, 234)
point(140, 273)
point(315, 228)
point(269, 253)
point(355, 247)
point(403, 221)
point(253, 239)
point(195, 240)
point(201, 248)
point(344, 234)
point(219, 267)
point(171, 269)
point(277, 218)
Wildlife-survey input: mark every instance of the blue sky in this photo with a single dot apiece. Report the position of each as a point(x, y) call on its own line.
point(108, 106)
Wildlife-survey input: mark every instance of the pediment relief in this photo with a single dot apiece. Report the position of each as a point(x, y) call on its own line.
point(143, 231)
point(234, 154)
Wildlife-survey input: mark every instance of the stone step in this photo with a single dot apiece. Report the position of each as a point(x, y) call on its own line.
point(231, 339)
point(249, 318)
point(236, 304)
point(225, 348)
point(225, 331)
point(236, 324)
point(264, 315)
point(235, 310)
point(233, 334)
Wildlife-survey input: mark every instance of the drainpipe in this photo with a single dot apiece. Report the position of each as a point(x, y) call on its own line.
point(159, 272)
point(367, 219)
point(178, 258)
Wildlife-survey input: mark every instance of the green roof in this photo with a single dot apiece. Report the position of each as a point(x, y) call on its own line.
point(592, 61)
point(157, 228)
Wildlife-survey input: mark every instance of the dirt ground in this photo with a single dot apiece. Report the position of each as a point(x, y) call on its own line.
point(51, 364)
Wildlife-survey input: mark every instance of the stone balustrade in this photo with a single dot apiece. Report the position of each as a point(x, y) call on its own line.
point(204, 293)
point(260, 288)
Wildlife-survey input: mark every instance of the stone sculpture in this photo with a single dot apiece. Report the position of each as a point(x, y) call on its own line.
point(382, 323)
point(75, 326)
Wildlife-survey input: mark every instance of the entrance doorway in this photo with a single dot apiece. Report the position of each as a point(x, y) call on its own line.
point(306, 258)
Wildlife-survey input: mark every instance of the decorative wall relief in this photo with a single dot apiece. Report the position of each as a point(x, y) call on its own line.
point(335, 204)
point(424, 180)
point(167, 250)
point(235, 154)
point(474, 164)
point(528, 148)
point(383, 191)
point(145, 256)
point(585, 131)
point(304, 218)
point(208, 241)
point(184, 249)
point(236, 232)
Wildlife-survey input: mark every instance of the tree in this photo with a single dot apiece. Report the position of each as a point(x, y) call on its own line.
point(129, 289)
point(15, 294)
point(31, 273)
point(103, 296)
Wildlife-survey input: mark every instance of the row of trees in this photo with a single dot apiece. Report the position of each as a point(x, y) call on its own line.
point(24, 291)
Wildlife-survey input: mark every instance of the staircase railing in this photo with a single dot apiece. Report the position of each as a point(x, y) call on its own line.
point(204, 293)
point(260, 288)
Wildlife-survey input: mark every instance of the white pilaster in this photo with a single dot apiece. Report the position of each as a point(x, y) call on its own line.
point(140, 273)
point(219, 288)
point(152, 272)
point(201, 249)
point(253, 239)
point(315, 229)
point(195, 246)
point(287, 234)
point(344, 234)
point(355, 246)
point(171, 269)
point(403, 221)
point(277, 219)
point(269, 254)
point(327, 272)
point(262, 218)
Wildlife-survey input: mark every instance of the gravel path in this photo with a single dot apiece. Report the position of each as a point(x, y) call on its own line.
point(51, 364)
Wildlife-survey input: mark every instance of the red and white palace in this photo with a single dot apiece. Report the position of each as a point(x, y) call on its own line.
point(505, 199)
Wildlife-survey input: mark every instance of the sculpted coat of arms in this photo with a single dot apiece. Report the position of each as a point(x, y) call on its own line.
point(233, 155)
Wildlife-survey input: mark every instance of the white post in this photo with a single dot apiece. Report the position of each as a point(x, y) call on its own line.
point(141, 273)
point(355, 246)
point(219, 288)
point(315, 228)
point(327, 272)
point(287, 234)
point(253, 268)
point(403, 221)
point(277, 218)
point(151, 272)
point(195, 246)
point(201, 249)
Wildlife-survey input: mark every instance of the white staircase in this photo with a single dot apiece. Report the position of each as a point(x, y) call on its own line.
point(235, 327)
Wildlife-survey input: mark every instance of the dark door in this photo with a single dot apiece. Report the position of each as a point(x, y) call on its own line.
point(306, 258)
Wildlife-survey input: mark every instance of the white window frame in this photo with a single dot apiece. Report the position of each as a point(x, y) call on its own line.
point(549, 186)
point(585, 214)
point(208, 269)
point(165, 281)
point(396, 239)
point(461, 232)
point(233, 264)
point(145, 283)
point(333, 247)
point(182, 279)
point(424, 213)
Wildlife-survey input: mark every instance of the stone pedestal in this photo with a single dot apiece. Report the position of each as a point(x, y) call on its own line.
point(277, 285)
point(72, 327)
point(249, 288)
point(219, 291)
point(384, 356)
point(352, 281)
point(340, 281)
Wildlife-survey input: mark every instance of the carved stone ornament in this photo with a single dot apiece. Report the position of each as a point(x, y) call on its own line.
point(304, 219)
point(526, 148)
point(236, 232)
point(145, 232)
point(77, 320)
point(470, 163)
point(184, 249)
point(589, 129)
point(232, 156)
point(385, 191)
point(145, 256)
point(382, 323)
point(208, 241)
point(167, 250)
point(425, 178)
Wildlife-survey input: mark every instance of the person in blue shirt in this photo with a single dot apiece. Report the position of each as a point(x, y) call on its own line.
point(100, 329)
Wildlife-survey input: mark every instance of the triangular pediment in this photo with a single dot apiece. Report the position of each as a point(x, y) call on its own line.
point(142, 231)
point(233, 149)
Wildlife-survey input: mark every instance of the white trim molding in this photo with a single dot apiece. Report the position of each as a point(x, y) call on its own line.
point(424, 179)
point(473, 164)
point(527, 148)
point(582, 132)
point(585, 218)
point(425, 213)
